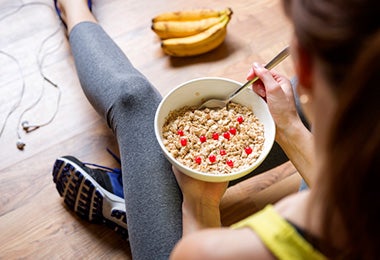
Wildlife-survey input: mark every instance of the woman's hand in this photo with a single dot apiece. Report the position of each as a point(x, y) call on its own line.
point(201, 200)
point(198, 191)
point(278, 93)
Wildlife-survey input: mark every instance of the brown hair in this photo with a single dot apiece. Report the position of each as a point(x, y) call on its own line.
point(334, 30)
point(352, 185)
point(344, 35)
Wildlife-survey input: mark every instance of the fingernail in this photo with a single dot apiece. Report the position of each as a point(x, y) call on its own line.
point(256, 65)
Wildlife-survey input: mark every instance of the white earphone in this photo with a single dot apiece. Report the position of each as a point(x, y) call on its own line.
point(20, 144)
point(41, 55)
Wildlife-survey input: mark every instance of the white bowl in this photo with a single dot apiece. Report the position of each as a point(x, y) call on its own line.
point(193, 93)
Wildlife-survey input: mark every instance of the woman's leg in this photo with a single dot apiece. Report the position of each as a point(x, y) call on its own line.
point(128, 102)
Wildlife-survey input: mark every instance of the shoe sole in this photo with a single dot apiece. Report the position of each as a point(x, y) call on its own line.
point(87, 199)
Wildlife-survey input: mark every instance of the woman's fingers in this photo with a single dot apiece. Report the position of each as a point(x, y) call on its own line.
point(270, 84)
point(266, 77)
point(250, 74)
point(285, 85)
point(259, 88)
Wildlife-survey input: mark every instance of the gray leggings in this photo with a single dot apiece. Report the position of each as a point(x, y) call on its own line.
point(126, 99)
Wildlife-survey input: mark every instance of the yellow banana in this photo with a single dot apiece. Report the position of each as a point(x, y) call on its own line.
point(176, 29)
point(197, 44)
point(190, 15)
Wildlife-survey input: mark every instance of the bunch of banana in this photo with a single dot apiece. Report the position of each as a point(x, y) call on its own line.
point(191, 32)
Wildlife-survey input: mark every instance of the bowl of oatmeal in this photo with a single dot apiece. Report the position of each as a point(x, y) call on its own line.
point(214, 145)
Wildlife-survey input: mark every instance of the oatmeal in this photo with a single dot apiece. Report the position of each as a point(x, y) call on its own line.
point(216, 141)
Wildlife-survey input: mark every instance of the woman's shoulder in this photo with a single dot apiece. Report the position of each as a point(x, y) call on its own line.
point(297, 210)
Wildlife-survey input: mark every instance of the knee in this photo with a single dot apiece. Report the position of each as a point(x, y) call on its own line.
point(132, 95)
point(132, 92)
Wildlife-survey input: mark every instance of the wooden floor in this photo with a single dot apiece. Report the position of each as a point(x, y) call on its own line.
point(34, 223)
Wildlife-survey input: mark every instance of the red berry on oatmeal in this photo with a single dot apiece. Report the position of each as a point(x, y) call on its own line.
point(230, 163)
point(198, 160)
point(183, 141)
point(180, 132)
point(248, 150)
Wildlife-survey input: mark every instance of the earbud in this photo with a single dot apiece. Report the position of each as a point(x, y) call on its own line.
point(25, 125)
point(20, 144)
point(29, 128)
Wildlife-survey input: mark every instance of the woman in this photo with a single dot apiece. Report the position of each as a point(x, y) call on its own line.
point(151, 213)
point(336, 51)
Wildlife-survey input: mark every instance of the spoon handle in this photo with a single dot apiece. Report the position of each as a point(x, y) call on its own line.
point(276, 60)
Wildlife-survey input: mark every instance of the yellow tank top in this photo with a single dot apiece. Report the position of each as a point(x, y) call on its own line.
point(280, 237)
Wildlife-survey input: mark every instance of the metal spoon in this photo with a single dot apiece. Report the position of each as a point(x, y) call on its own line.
point(219, 103)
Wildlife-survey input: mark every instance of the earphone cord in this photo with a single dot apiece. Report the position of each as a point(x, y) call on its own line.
point(17, 103)
point(40, 61)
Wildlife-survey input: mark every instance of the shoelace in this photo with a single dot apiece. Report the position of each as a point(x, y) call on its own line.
point(114, 156)
point(114, 170)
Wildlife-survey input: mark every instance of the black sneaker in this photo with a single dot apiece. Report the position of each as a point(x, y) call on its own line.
point(94, 194)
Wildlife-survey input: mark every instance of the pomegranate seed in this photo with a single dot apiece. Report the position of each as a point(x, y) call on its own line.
point(223, 152)
point(248, 150)
point(212, 158)
point(180, 132)
point(233, 130)
point(183, 141)
point(240, 119)
point(227, 135)
point(202, 138)
point(198, 160)
point(215, 136)
point(230, 163)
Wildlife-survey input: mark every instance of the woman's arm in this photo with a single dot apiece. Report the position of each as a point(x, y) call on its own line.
point(219, 244)
point(241, 243)
point(297, 142)
point(203, 237)
point(291, 134)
